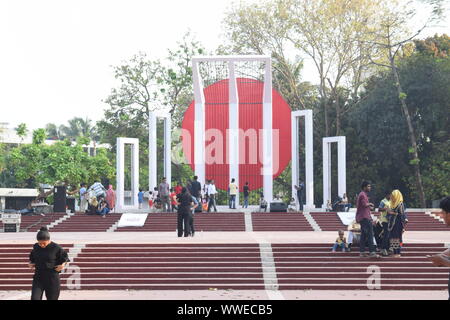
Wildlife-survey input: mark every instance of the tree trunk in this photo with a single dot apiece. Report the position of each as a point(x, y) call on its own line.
point(338, 115)
point(412, 136)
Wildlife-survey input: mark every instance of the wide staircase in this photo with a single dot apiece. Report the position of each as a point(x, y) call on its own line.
point(280, 221)
point(230, 266)
point(209, 222)
point(81, 222)
point(34, 223)
point(328, 221)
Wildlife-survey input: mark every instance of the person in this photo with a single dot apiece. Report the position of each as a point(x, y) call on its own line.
point(341, 242)
point(92, 206)
point(102, 208)
point(329, 206)
point(111, 198)
point(205, 190)
point(232, 192)
point(140, 198)
point(364, 218)
point(173, 200)
point(83, 198)
point(190, 218)
point(178, 188)
point(396, 222)
point(383, 209)
point(185, 204)
point(354, 234)
point(345, 204)
point(262, 203)
point(300, 189)
point(98, 189)
point(212, 191)
point(292, 206)
point(246, 194)
point(47, 260)
point(443, 259)
point(164, 193)
point(154, 198)
point(195, 188)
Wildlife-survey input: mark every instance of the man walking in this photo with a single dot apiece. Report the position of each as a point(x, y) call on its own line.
point(212, 196)
point(233, 190)
point(364, 218)
point(164, 194)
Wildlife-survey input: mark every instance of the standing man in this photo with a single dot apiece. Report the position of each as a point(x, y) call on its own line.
point(196, 189)
point(364, 218)
point(300, 189)
point(99, 190)
point(83, 198)
point(212, 196)
point(443, 259)
point(246, 194)
point(233, 190)
point(185, 204)
point(140, 198)
point(164, 194)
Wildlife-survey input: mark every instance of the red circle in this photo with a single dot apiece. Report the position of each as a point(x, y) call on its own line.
point(250, 117)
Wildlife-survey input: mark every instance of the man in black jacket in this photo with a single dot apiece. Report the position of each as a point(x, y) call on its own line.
point(196, 188)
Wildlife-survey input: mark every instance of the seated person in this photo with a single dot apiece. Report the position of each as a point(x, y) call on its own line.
point(92, 206)
point(262, 203)
point(354, 233)
point(329, 207)
point(158, 203)
point(341, 242)
point(378, 232)
point(292, 206)
point(344, 202)
point(102, 208)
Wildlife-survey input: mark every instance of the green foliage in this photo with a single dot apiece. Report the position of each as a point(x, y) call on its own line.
point(39, 136)
point(22, 130)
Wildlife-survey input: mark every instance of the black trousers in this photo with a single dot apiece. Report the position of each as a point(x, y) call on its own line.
point(183, 222)
point(212, 203)
point(50, 284)
point(385, 238)
point(191, 223)
point(366, 236)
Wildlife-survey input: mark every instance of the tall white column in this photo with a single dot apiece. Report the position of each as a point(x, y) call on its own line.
point(120, 173)
point(342, 167)
point(309, 155)
point(233, 131)
point(267, 133)
point(168, 149)
point(152, 152)
point(199, 124)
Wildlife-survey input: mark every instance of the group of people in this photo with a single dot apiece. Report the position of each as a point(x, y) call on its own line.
point(384, 234)
point(97, 199)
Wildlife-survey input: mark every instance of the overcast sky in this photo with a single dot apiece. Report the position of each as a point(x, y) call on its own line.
point(56, 55)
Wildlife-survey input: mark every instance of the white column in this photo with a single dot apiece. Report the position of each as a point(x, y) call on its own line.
point(267, 153)
point(135, 173)
point(199, 124)
point(342, 167)
point(295, 153)
point(120, 174)
point(152, 152)
point(233, 132)
point(168, 149)
point(309, 155)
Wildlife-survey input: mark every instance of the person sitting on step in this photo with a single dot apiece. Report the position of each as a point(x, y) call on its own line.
point(341, 242)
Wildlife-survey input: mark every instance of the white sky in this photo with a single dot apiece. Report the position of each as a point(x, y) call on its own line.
point(56, 55)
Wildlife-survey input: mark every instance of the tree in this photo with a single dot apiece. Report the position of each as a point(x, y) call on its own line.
point(22, 131)
point(391, 37)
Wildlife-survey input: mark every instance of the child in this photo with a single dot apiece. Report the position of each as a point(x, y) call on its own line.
point(150, 200)
point(173, 200)
point(262, 203)
point(341, 242)
point(140, 198)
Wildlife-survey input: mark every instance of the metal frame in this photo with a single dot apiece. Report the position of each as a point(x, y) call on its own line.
point(120, 173)
point(309, 155)
point(342, 167)
point(233, 134)
point(152, 154)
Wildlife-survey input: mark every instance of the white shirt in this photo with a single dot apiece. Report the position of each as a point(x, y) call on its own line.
point(212, 189)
